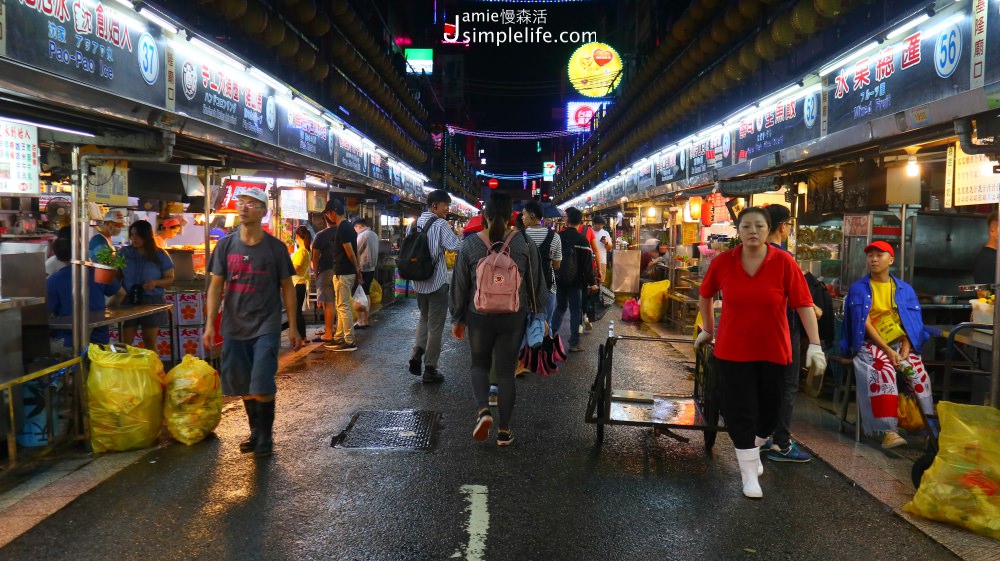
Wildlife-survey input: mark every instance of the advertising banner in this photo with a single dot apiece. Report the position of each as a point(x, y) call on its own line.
point(232, 189)
point(644, 175)
point(785, 123)
point(922, 65)
point(671, 166)
point(99, 44)
point(302, 132)
point(18, 158)
point(712, 152)
point(378, 167)
point(350, 154)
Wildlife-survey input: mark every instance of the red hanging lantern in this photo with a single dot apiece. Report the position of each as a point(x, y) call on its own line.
point(706, 213)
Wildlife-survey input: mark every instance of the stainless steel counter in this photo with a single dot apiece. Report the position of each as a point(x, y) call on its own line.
point(111, 316)
point(20, 302)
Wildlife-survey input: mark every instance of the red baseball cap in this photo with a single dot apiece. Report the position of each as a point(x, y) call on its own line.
point(884, 247)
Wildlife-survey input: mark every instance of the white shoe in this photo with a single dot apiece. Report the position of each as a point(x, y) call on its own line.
point(758, 442)
point(749, 459)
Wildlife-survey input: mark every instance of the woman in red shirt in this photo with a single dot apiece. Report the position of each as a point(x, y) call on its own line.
point(752, 344)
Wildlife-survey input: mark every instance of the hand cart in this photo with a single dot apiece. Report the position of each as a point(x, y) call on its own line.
point(663, 412)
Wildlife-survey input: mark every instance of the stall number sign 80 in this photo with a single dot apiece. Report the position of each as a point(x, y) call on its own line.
point(948, 50)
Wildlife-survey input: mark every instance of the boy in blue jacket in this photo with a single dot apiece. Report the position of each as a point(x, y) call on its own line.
point(884, 331)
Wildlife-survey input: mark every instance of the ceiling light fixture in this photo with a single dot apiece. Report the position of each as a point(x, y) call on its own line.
point(50, 127)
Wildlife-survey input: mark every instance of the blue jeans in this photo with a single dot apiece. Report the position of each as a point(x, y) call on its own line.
point(249, 367)
point(573, 298)
point(550, 306)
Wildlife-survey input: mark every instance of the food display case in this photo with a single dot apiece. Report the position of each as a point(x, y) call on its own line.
point(859, 231)
point(817, 249)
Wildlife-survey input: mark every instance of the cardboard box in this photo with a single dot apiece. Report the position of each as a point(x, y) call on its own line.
point(189, 308)
point(164, 341)
point(189, 341)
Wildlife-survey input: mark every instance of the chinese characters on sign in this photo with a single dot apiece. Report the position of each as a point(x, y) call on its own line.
point(18, 158)
point(975, 183)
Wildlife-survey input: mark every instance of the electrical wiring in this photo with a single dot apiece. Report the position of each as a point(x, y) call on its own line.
point(511, 135)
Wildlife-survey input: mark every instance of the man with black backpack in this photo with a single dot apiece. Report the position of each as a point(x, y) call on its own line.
point(574, 275)
point(421, 260)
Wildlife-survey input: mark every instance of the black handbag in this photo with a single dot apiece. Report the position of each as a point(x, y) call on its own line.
point(135, 295)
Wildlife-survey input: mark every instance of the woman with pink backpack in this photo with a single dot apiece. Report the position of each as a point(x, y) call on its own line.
point(494, 272)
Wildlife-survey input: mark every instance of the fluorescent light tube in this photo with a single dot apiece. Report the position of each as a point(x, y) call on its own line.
point(849, 57)
point(157, 19)
point(306, 106)
point(50, 127)
point(908, 26)
point(268, 80)
point(217, 53)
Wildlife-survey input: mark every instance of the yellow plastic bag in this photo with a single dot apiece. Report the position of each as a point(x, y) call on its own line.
point(962, 486)
point(652, 300)
point(193, 405)
point(375, 293)
point(908, 413)
point(124, 398)
point(449, 258)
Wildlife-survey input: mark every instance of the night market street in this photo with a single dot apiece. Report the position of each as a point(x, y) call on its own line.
point(550, 496)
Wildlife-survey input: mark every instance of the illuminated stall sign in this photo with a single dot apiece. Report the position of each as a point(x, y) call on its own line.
point(670, 166)
point(302, 132)
point(786, 123)
point(924, 65)
point(217, 94)
point(396, 177)
point(378, 167)
point(580, 113)
point(94, 43)
point(595, 69)
point(350, 154)
point(710, 153)
point(644, 176)
point(232, 189)
point(630, 182)
point(18, 158)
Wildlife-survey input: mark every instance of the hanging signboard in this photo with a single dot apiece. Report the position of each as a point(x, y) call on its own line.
point(644, 176)
point(18, 158)
point(301, 131)
point(785, 123)
point(396, 178)
point(350, 154)
point(712, 152)
point(923, 65)
point(217, 94)
point(94, 43)
point(975, 182)
point(378, 167)
point(631, 182)
point(232, 189)
point(671, 166)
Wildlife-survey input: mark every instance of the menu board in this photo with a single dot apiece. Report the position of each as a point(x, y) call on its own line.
point(294, 204)
point(302, 132)
point(99, 44)
point(923, 65)
point(784, 123)
point(671, 166)
point(18, 158)
point(350, 154)
point(212, 92)
point(975, 183)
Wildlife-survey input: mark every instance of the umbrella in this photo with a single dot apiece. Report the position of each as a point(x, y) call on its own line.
point(552, 211)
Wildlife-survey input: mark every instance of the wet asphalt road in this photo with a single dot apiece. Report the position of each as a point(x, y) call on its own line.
point(551, 496)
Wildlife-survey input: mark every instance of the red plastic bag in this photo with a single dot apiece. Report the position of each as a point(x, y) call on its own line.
point(630, 310)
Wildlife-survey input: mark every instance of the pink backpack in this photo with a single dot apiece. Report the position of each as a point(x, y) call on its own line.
point(498, 280)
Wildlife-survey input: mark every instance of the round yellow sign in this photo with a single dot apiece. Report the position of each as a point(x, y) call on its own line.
point(595, 70)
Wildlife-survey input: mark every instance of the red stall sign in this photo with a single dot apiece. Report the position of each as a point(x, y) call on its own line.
point(233, 189)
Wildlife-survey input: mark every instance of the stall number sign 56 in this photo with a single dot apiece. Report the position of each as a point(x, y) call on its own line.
point(948, 50)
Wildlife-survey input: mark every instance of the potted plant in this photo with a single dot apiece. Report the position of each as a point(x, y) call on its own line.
point(107, 263)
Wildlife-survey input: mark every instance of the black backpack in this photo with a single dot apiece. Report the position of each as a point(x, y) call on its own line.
point(544, 251)
point(568, 273)
point(415, 261)
point(824, 301)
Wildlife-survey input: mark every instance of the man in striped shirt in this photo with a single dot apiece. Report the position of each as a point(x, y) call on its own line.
point(432, 294)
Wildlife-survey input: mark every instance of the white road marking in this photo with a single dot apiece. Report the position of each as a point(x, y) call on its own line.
point(479, 522)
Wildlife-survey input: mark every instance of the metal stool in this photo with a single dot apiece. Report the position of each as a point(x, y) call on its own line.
point(846, 392)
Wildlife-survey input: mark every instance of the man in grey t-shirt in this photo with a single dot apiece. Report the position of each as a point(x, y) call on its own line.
point(255, 267)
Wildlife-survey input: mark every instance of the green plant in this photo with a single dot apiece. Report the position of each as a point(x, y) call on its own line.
point(107, 257)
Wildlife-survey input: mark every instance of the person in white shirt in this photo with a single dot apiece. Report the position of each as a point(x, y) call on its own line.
point(603, 239)
point(368, 257)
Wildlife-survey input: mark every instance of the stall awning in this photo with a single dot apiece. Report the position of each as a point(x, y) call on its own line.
point(746, 187)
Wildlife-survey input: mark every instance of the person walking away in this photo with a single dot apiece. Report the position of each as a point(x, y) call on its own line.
point(602, 238)
point(752, 347)
point(346, 276)
point(322, 264)
point(574, 276)
point(148, 270)
point(432, 293)
point(254, 267)
point(300, 263)
point(781, 447)
point(110, 227)
point(494, 309)
point(549, 255)
point(984, 270)
point(368, 256)
point(884, 331)
point(586, 300)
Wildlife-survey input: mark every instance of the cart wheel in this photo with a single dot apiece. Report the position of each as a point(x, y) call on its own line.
point(920, 466)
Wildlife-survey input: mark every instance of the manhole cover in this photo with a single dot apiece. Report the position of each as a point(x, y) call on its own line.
point(408, 429)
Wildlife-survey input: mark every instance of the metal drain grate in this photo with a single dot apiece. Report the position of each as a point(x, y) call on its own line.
point(408, 429)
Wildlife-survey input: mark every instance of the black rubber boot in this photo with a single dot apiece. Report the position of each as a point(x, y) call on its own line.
point(416, 362)
point(248, 445)
point(265, 423)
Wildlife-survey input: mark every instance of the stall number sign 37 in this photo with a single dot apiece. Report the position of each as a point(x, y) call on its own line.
point(948, 50)
point(149, 64)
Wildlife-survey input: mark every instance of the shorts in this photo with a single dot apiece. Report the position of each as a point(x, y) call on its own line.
point(158, 319)
point(366, 281)
point(249, 367)
point(324, 286)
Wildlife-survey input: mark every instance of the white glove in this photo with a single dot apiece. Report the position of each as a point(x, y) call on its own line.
point(815, 359)
point(703, 338)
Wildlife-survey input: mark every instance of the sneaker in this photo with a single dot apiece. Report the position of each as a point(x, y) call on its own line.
point(789, 454)
point(505, 437)
point(431, 376)
point(521, 371)
point(494, 393)
point(769, 445)
point(341, 347)
point(416, 362)
point(483, 424)
point(892, 440)
point(587, 326)
point(576, 349)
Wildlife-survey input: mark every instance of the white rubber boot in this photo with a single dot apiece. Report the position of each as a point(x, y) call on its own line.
point(749, 459)
point(758, 442)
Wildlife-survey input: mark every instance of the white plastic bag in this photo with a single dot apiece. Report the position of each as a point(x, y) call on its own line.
point(360, 300)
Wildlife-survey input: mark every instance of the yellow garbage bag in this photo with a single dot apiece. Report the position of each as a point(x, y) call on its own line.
point(124, 398)
point(962, 486)
point(375, 293)
point(652, 300)
point(193, 405)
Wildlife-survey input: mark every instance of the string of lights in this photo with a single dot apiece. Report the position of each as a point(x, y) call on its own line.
point(512, 135)
point(509, 177)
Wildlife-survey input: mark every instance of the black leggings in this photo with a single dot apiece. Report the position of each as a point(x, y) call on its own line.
point(494, 341)
point(751, 398)
point(300, 298)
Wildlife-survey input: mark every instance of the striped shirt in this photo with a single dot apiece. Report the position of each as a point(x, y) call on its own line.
point(367, 250)
point(537, 235)
point(439, 238)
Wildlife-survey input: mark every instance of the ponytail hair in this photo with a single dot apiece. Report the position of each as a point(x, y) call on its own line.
point(498, 211)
